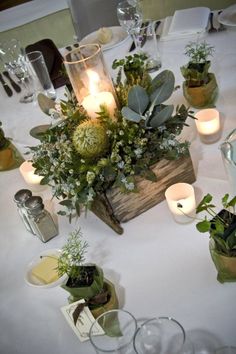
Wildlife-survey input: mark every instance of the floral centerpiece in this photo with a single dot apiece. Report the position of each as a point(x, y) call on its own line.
point(82, 158)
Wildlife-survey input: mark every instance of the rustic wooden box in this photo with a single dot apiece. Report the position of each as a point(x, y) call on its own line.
point(115, 207)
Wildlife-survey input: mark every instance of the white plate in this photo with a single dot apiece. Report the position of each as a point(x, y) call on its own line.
point(32, 281)
point(228, 16)
point(118, 36)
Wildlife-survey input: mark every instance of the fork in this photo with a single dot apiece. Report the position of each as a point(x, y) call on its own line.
point(212, 29)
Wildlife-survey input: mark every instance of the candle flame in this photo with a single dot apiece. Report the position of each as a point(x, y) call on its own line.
point(93, 81)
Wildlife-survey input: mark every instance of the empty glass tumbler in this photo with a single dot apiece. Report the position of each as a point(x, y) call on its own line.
point(162, 335)
point(119, 328)
point(39, 70)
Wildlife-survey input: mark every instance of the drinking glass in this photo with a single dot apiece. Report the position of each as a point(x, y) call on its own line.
point(13, 57)
point(39, 71)
point(119, 328)
point(130, 18)
point(162, 335)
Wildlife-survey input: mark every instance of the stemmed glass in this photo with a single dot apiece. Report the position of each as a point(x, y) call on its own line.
point(130, 18)
point(13, 57)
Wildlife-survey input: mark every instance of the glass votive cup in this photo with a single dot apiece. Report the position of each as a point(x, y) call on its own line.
point(31, 179)
point(162, 335)
point(181, 201)
point(119, 328)
point(208, 125)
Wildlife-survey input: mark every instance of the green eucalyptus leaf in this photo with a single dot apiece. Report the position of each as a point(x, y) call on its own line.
point(161, 117)
point(203, 226)
point(130, 115)
point(138, 99)
point(164, 83)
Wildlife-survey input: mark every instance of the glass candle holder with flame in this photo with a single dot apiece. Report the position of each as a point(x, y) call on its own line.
point(90, 79)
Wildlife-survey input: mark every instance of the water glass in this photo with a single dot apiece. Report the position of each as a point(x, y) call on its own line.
point(119, 328)
point(130, 18)
point(39, 70)
point(162, 335)
point(12, 55)
point(146, 43)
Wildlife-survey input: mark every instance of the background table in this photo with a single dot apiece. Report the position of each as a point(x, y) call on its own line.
point(158, 267)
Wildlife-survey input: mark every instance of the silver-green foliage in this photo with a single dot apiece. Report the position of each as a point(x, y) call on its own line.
point(148, 106)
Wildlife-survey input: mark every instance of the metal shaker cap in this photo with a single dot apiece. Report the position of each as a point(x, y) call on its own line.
point(34, 205)
point(22, 195)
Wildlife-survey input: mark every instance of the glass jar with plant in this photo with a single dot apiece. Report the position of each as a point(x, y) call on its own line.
point(85, 281)
point(222, 229)
point(200, 87)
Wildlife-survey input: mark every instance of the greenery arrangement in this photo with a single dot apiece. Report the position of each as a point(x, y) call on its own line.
point(196, 71)
point(221, 226)
point(85, 281)
point(81, 158)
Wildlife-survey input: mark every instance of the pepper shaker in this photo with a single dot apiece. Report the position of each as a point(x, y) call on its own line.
point(20, 198)
point(40, 219)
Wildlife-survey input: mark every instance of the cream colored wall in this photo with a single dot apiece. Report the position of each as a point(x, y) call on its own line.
point(157, 9)
point(57, 26)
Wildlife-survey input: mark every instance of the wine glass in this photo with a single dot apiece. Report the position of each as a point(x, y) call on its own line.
point(130, 18)
point(13, 57)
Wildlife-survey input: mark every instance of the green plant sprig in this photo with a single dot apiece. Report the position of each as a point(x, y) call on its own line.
point(217, 225)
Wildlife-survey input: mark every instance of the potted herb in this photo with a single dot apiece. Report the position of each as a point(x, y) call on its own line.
point(200, 87)
point(85, 281)
point(222, 229)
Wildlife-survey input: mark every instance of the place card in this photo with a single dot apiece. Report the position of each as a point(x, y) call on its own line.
point(84, 322)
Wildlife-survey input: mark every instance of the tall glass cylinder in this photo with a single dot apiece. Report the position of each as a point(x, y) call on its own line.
point(90, 79)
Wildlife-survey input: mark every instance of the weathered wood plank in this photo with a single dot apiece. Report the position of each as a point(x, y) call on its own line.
point(127, 206)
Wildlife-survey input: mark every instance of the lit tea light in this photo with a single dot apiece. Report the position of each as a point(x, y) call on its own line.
point(208, 125)
point(92, 102)
point(180, 198)
point(33, 180)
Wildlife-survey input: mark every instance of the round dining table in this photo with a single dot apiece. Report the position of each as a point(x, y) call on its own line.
point(158, 267)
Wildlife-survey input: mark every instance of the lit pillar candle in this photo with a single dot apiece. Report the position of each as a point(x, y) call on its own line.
point(95, 99)
point(208, 125)
point(180, 198)
point(32, 180)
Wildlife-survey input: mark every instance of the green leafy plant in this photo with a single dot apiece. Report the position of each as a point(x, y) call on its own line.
point(196, 71)
point(72, 256)
point(221, 226)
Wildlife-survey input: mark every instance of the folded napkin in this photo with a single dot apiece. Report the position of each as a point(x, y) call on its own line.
point(53, 60)
point(186, 22)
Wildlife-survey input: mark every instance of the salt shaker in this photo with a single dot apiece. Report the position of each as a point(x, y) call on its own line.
point(20, 198)
point(40, 219)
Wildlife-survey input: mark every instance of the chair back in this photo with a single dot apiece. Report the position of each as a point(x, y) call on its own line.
point(90, 15)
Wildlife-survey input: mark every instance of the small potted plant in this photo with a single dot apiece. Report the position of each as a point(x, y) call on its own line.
point(222, 230)
point(85, 281)
point(200, 87)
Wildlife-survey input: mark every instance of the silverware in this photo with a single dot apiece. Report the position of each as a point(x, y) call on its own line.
point(13, 83)
point(7, 89)
point(157, 24)
point(212, 29)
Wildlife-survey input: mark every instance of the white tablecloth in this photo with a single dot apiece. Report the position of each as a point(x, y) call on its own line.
point(158, 267)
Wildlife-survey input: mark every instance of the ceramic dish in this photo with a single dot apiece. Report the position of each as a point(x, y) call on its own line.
point(32, 281)
point(228, 16)
point(118, 37)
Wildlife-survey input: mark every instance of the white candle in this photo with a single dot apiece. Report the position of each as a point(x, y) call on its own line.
point(92, 103)
point(181, 202)
point(96, 98)
point(33, 180)
point(208, 125)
